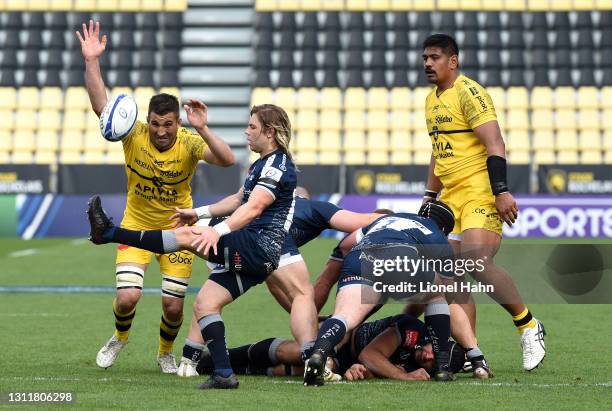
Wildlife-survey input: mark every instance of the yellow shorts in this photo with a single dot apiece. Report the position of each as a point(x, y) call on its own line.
point(473, 204)
point(177, 264)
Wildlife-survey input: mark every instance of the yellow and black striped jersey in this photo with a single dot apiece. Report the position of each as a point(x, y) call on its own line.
point(451, 118)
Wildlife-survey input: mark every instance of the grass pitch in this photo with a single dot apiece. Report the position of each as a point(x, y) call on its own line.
point(50, 341)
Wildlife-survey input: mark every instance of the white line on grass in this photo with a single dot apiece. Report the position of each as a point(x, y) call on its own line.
point(32, 315)
point(103, 379)
point(79, 241)
point(607, 384)
point(23, 253)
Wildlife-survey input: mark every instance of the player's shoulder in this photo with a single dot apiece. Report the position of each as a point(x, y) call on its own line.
point(140, 130)
point(469, 87)
point(185, 133)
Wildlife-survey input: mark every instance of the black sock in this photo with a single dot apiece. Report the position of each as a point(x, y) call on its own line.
point(213, 332)
point(157, 241)
point(262, 354)
point(437, 321)
point(239, 358)
point(192, 350)
point(332, 331)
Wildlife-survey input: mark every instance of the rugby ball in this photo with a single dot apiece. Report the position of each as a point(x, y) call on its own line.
point(118, 117)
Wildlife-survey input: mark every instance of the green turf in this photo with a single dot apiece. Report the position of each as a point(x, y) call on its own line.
point(49, 342)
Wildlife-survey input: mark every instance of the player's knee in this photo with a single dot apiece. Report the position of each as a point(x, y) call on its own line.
point(203, 307)
point(130, 280)
point(127, 300)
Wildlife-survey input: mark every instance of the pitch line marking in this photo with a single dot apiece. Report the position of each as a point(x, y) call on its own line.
point(606, 384)
point(23, 253)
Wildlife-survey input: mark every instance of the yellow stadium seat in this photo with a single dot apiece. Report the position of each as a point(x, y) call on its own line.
point(94, 142)
point(419, 94)
point(113, 157)
point(544, 157)
point(354, 140)
point(588, 119)
point(354, 157)
point(498, 95)
point(495, 5)
point(307, 120)
point(77, 98)
point(23, 157)
point(542, 119)
point(329, 5)
point(28, 98)
point(518, 157)
point(70, 157)
point(47, 141)
point(517, 119)
point(421, 142)
point(567, 157)
point(92, 122)
point(584, 4)
point(51, 98)
point(285, 98)
point(588, 97)
point(8, 98)
point(306, 157)
point(38, 5)
point(565, 97)
point(603, 4)
point(501, 119)
point(470, 5)
point(607, 157)
point(261, 95)
point(6, 141)
point(537, 5)
point(26, 120)
point(74, 120)
point(401, 5)
point(8, 120)
point(401, 140)
point(45, 157)
point(306, 141)
point(561, 5)
point(422, 157)
point(108, 5)
point(23, 140)
point(379, 5)
point(378, 157)
point(356, 5)
point(354, 120)
point(565, 119)
point(401, 157)
point(378, 98)
point(289, 5)
point(591, 157)
point(266, 5)
point(120, 90)
point(448, 5)
point(60, 5)
point(418, 121)
point(17, 5)
point(330, 98)
point(307, 98)
point(72, 142)
point(401, 98)
point(94, 157)
point(329, 141)
point(131, 5)
point(400, 120)
point(566, 141)
point(175, 91)
point(589, 140)
point(518, 141)
point(330, 120)
point(606, 119)
point(606, 97)
point(378, 120)
point(541, 97)
point(517, 97)
point(114, 147)
point(543, 140)
point(312, 5)
point(330, 157)
point(84, 5)
point(49, 119)
point(152, 5)
point(424, 5)
point(377, 141)
point(354, 98)
point(142, 96)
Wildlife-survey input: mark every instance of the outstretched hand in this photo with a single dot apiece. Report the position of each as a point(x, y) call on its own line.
point(91, 45)
point(197, 113)
point(184, 216)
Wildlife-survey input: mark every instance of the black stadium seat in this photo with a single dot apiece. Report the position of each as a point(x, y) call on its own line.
point(584, 20)
point(330, 60)
point(470, 39)
point(541, 78)
point(122, 78)
point(30, 78)
point(516, 39)
point(379, 21)
point(330, 78)
point(8, 59)
point(308, 79)
point(58, 21)
point(562, 40)
point(469, 59)
point(400, 21)
point(539, 58)
point(11, 40)
point(52, 78)
point(401, 40)
point(400, 60)
point(331, 41)
point(564, 78)
point(492, 22)
point(585, 39)
point(540, 39)
point(170, 59)
point(378, 78)
point(107, 22)
point(34, 40)
point(516, 59)
point(13, 20)
point(148, 21)
point(585, 59)
point(76, 78)
point(493, 78)
point(263, 59)
point(586, 78)
point(262, 79)
point(332, 21)
point(125, 21)
point(379, 40)
point(492, 59)
point(493, 40)
point(35, 20)
point(356, 40)
point(310, 21)
point(310, 40)
point(286, 59)
point(538, 21)
point(124, 39)
point(7, 78)
point(264, 40)
point(561, 21)
point(515, 21)
point(354, 78)
point(354, 60)
point(287, 21)
point(75, 60)
point(447, 22)
point(309, 59)
point(172, 39)
point(145, 78)
point(400, 78)
point(122, 59)
point(148, 40)
point(470, 21)
point(56, 40)
point(173, 21)
point(287, 40)
point(31, 59)
point(54, 59)
point(355, 21)
point(285, 78)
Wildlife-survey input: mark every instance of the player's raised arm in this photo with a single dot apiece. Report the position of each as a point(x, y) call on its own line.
point(218, 151)
point(490, 136)
point(92, 48)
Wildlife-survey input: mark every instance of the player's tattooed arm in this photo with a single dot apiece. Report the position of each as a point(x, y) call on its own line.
point(375, 356)
point(92, 48)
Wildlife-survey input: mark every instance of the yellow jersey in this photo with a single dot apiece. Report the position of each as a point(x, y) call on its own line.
point(451, 118)
point(158, 181)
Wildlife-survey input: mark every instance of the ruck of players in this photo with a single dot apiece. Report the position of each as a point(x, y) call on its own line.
point(254, 236)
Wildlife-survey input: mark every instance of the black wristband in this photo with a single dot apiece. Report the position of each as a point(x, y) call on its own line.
point(496, 166)
point(431, 194)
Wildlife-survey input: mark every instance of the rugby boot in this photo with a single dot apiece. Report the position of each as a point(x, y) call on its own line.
point(167, 363)
point(443, 371)
point(532, 344)
point(187, 368)
point(314, 369)
point(481, 369)
point(218, 382)
point(109, 352)
point(98, 221)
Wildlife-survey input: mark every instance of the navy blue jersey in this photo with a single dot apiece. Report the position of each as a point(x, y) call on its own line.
point(310, 219)
point(406, 228)
point(274, 173)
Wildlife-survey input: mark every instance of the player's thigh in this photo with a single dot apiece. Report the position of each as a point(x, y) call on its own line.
point(211, 299)
point(130, 266)
point(480, 243)
point(350, 306)
point(292, 278)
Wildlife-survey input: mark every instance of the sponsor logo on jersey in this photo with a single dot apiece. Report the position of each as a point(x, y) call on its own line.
point(443, 119)
point(272, 173)
point(143, 164)
point(155, 190)
point(473, 90)
point(412, 336)
point(237, 261)
point(482, 102)
point(180, 258)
